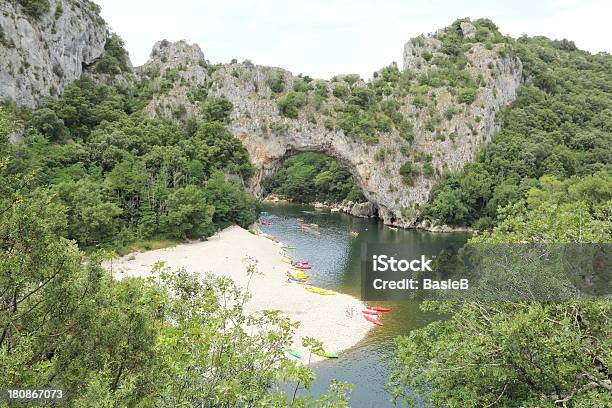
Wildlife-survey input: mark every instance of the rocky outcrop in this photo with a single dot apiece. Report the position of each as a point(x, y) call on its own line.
point(41, 54)
point(181, 73)
point(362, 210)
point(270, 138)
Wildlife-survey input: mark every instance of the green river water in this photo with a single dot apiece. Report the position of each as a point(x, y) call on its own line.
point(336, 258)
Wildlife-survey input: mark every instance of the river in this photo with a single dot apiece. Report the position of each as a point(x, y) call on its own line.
point(335, 257)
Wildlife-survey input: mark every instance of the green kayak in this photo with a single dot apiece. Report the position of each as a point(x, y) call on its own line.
point(294, 353)
point(330, 355)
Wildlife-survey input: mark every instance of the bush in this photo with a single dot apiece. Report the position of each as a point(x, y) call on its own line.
point(188, 214)
point(408, 173)
point(217, 109)
point(35, 8)
point(290, 103)
point(231, 203)
point(115, 59)
point(276, 82)
point(466, 95)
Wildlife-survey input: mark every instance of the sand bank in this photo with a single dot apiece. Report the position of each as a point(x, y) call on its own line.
point(321, 317)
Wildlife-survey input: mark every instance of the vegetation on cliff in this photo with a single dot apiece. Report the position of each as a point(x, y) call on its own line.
point(560, 125)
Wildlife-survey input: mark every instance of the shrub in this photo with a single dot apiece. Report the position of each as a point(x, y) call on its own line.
point(290, 103)
point(466, 95)
point(408, 173)
point(217, 109)
point(35, 8)
point(276, 82)
point(341, 91)
point(115, 59)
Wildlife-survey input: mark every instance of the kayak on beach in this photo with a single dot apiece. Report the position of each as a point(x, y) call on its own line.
point(378, 308)
point(294, 353)
point(370, 312)
point(373, 320)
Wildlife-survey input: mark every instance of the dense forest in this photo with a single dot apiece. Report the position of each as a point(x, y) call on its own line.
point(125, 178)
point(310, 177)
point(560, 125)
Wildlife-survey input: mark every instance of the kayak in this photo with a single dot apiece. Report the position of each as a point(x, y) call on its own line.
point(299, 266)
point(294, 353)
point(287, 247)
point(378, 308)
point(370, 312)
point(330, 355)
point(320, 291)
point(296, 279)
point(373, 320)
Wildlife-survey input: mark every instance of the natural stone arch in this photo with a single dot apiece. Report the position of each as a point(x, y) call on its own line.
point(268, 137)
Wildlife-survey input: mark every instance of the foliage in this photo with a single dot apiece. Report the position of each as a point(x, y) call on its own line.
point(276, 82)
point(310, 177)
point(231, 203)
point(520, 353)
point(35, 8)
point(7, 124)
point(508, 355)
point(124, 177)
point(217, 109)
point(408, 173)
point(65, 324)
point(559, 125)
point(115, 59)
point(289, 104)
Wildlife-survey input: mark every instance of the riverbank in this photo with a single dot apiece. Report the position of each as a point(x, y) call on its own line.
point(368, 210)
point(321, 317)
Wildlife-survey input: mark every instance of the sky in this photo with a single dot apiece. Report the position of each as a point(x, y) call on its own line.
point(323, 38)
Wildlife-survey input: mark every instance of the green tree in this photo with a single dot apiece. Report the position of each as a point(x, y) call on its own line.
point(231, 203)
point(188, 214)
point(92, 214)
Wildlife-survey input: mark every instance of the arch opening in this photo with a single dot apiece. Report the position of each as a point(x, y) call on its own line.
point(316, 178)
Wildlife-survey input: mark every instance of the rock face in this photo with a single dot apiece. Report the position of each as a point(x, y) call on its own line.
point(40, 55)
point(270, 138)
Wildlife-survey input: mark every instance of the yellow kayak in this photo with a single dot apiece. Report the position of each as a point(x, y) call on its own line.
point(320, 291)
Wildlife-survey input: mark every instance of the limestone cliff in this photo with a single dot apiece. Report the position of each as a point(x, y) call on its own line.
point(396, 134)
point(43, 50)
point(448, 124)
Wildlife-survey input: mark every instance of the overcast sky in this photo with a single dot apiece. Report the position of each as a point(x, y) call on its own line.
point(322, 38)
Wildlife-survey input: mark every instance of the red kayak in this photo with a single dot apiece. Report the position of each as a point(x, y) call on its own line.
point(378, 308)
point(370, 312)
point(301, 266)
point(373, 320)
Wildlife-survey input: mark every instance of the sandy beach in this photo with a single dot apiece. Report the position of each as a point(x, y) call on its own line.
point(321, 317)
